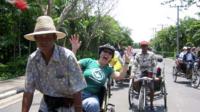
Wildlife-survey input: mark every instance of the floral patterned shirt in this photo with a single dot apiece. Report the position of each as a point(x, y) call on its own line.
point(143, 62)
point(61, 77)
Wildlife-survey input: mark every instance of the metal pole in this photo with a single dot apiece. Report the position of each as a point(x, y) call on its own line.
point(163, 42)
point(177, 27)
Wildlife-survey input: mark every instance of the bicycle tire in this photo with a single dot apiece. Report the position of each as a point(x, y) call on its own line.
point(142, 100)
point(165, 95)
point(130, 97)
point(195, 79)
point(174, 74)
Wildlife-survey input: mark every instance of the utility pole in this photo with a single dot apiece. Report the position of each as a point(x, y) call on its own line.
point(154, 32)
point(162, 44)
point(180, 4)
point(177, 28)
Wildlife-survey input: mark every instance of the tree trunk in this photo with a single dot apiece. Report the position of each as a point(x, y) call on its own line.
point(50, 4)
point(64, 13)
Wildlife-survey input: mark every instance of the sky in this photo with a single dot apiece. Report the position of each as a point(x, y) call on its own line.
point(144, 17)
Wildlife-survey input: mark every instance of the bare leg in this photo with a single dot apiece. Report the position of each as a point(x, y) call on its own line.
point(151, 98)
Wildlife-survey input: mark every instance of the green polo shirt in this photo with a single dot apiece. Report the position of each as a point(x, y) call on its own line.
point(95, 75)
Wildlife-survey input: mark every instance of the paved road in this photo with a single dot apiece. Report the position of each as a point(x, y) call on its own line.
point(181, 97)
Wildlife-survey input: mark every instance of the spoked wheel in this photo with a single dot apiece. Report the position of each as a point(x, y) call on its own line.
point(195, 81)
point(142, 100)
point(132, 96)
point(164, 92)
point(174, 73)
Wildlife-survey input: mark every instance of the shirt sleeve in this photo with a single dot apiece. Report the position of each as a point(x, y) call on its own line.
point(153, 57)
point(29, 77)
point(76, 79)
point(135, 65)
point(84, 62)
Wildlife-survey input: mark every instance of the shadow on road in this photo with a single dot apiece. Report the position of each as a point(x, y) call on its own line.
point(159, 109)
point(186, 83)
point(120, 86)
point(156, 109)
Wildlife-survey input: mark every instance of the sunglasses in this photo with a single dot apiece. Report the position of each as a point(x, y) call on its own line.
point(45, 35)
point(108, 51)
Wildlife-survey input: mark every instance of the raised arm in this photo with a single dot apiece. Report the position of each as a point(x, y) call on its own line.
point(75, 43)
point(122, 73)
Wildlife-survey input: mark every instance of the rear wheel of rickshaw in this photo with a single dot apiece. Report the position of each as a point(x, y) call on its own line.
point(174, 74)
point(132, 96)
point(195, 81)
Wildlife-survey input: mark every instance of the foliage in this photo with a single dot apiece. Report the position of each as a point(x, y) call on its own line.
point(13, 69)
point(187, 3)
point(88, 18)
point(16, 24)
point(107, 31)
point(165, 40)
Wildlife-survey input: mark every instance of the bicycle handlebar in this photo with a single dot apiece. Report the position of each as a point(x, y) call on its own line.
point(145, 78)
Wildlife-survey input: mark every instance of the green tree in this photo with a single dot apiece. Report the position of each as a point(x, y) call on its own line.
point(165, 39)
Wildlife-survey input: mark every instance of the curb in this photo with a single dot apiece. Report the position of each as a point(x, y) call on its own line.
point(11, 92)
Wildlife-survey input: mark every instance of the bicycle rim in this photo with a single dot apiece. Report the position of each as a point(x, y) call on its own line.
point(174, 74)
point(132, 98)
point(195, 80)
point(141, 103)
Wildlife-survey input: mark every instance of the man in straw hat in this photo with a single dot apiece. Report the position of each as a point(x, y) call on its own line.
point(52, 70)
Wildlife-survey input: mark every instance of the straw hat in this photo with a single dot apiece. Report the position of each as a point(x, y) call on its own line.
point(44, 25)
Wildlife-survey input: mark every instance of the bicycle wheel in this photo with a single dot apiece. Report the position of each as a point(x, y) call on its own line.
point(195, 81)
point(164, 95)
point(142, 100)
point(174, 74)
point(132, 96)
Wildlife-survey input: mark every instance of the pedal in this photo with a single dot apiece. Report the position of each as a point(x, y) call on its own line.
point(111, 107)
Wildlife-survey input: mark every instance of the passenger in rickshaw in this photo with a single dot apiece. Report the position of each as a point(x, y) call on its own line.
point(194, 51)
point(198, 56)
point(189, 59)
point(96, 72)
point(179, 60)
point(144, 61)
point(116, 63)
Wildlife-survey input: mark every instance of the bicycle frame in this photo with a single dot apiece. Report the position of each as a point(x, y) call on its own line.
point(106, 106)
point(143, 93)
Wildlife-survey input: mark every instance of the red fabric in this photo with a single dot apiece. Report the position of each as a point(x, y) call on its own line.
point(150, 74)
point(21, 4)
point(158, 69)
point(144, 43)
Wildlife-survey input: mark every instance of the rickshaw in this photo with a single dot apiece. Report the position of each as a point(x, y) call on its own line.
point(186, 69)
point(196, 76)
point(138, 99)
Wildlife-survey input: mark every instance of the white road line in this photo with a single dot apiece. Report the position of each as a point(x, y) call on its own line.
point(12, 100)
